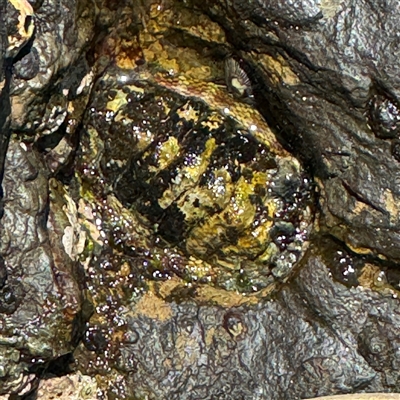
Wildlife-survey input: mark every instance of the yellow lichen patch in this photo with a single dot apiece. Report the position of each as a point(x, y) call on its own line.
point(188, 176)
point(71, 108)
point(278, 69)
point(188, 113)
point(125, 61)
point(176, 60)
point(175, 57)
point(212, 233)
point(267, 255)
point(162, 60)
point(167, 152)
point(125, 270)
point(213, 121)
point(391, 205)
point(127, 53)
point(250, 244)
point(25, 26)
point(329, 8)
point(211, 236)
point(359, 207)
point(256, 238)
point(200, 268)
point(152, 48)
point(240, 212)
point(217, 194)
point(161, 17)
point(186, 205)
point(146, 39)
point(153, 307)
point(205, 29)
point(156, 10)
point(374, 278)
point(193, 65)
point(358, 250)
point(166, 288)
point(117, 102)
point(136, 89)
point(223, 298)
point(203, 72)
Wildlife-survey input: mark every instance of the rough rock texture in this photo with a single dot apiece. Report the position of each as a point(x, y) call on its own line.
point(39, 294)
point(370, 396)
point(4, 89)
point(166, 163)
point(343, 338)
point(73, 386)
point(33, 302)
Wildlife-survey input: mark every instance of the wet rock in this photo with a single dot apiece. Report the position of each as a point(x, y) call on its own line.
point(348, 341)
point(3, 273)
point(75, 387)
point(28, 66)
point(159, 199)
point(39, 91)
point(35, 299)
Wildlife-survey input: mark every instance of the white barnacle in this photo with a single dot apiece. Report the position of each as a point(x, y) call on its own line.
point(236, 79)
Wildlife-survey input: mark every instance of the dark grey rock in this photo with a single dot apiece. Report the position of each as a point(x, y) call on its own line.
point(311, 340)
point(325, 76)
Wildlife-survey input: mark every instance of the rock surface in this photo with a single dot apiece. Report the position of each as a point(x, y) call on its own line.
point(199, 199)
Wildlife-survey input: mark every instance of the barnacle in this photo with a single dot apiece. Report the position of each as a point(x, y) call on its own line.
point(236, 79)
point(384, 117)
point(234, 325)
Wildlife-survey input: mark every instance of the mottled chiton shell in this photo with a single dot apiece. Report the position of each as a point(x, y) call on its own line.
point(212, 197)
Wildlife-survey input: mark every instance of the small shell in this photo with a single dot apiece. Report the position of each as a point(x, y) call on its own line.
point(234, 325)
point(384, 117)
point(395, 149)
point(236, 79)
